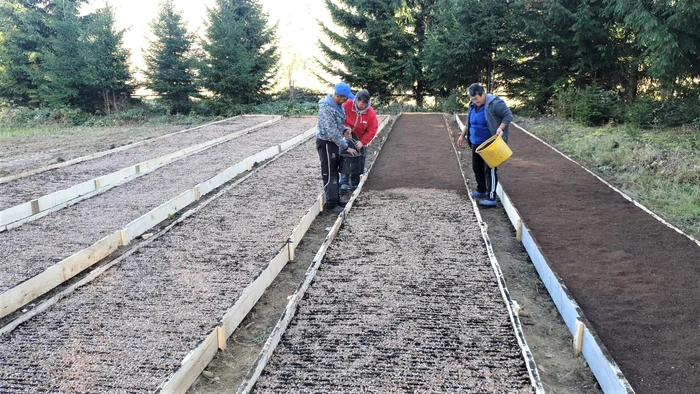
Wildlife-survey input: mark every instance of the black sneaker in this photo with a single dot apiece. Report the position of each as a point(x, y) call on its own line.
point(335, 209)
point(342, 203)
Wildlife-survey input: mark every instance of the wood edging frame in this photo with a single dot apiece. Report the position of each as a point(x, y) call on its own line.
point(288, 313)
point(22, 213)
point(601, 363)
point(195, 362)
point(26, 291)
point(96, 155)
point(510, 304)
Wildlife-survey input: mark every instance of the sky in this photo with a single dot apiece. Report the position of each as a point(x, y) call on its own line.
point(297, 30)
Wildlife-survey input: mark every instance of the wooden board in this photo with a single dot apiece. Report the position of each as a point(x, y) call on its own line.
point(20, 295)
point(193, 364)
point(101, 183)
point(604, 368)
point(157, 215)
point(105, 153)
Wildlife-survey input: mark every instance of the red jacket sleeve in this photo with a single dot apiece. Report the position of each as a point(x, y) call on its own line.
point(372, 126)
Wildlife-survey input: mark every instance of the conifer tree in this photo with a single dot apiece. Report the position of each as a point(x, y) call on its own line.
point(23, 34)
point(240, 56)
point(380, 47)
point(170, 67)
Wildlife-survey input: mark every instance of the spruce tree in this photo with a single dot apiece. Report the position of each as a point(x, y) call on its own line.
point(170, 68)
point(240, 56)
point(380, 47)
point(107, 61)
point(467, 43)
point(23, 35)
point(667, 33)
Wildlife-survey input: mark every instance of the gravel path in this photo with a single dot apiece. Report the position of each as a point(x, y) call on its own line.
point(405, 301)
point(29, 249)
point(29, 188)
point(128, 330)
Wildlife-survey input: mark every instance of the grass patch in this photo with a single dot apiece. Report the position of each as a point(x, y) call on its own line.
point(660, 167)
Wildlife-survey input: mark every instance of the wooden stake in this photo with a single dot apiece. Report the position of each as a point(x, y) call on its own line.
point(221, 337)
point(578, 336)
point(519, 230)
point(35, 207)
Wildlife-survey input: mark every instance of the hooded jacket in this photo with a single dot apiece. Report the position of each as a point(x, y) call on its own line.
point(331, 122)
point(497, 112)
point(363, 123)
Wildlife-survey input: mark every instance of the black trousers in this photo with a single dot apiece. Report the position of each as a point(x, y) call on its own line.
point(486, 177)
point(328, 153)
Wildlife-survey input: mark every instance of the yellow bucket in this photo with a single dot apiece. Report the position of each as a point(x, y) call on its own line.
point(494, 151)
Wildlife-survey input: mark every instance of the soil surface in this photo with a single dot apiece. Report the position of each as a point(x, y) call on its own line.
point(129, 329)
point(29, 249)
point(404, 301)
point(635, 278)
point(229, 367)
point(561, 370)
point(26, 189)
point(32, 150)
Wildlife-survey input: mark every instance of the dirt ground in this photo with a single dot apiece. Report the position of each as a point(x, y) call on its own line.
point(561, 371)
point(129, 329)
point(227, 370)
point(634, 278)
point(35, 186)
point(25, 151)
point(29, 249)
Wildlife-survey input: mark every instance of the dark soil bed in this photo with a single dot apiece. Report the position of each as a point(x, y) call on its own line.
point(635, 278)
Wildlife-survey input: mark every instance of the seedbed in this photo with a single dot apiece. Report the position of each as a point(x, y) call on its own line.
point(31, 248)
point(130, 329)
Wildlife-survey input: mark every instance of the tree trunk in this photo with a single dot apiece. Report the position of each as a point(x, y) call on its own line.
point(114, 101)
point(105, 96)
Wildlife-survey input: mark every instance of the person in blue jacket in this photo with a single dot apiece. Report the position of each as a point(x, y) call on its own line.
point(488, 116)
point(330, 142)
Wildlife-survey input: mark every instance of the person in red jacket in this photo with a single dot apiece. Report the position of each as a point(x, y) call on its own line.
point(361, 120)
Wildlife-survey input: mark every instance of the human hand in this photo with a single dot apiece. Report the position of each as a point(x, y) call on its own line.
point(499, 132)
point(359, 145)
point(460, 141)
point(352, 151)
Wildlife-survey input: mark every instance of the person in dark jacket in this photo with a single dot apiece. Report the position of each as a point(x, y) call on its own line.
point(330, 142)
point(488, 116)
point(361, 120)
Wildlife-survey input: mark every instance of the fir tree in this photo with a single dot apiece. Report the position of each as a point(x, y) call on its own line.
point(170, 68)
point(240, 51)
point(23, 35)
point(381, 45)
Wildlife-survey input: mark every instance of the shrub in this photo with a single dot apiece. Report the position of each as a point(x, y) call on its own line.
point(591, 105)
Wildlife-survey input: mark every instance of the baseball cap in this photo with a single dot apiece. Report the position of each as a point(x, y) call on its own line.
point(343, 89)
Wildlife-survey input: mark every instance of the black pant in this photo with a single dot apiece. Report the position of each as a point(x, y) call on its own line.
point(328, 153)
point(486, 177)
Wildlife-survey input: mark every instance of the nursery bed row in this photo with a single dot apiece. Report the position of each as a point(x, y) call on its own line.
point(28, 250)
point(415, 307)
point(38, 195)
point(132, 327)
point(406, 298)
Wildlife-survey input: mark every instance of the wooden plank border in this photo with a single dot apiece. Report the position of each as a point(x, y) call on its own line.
point(96, 155)
point(18, 296)
point(182, 379)
point(601, 363)
point(16, 216)
point(276, 334)
point(510, 304)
